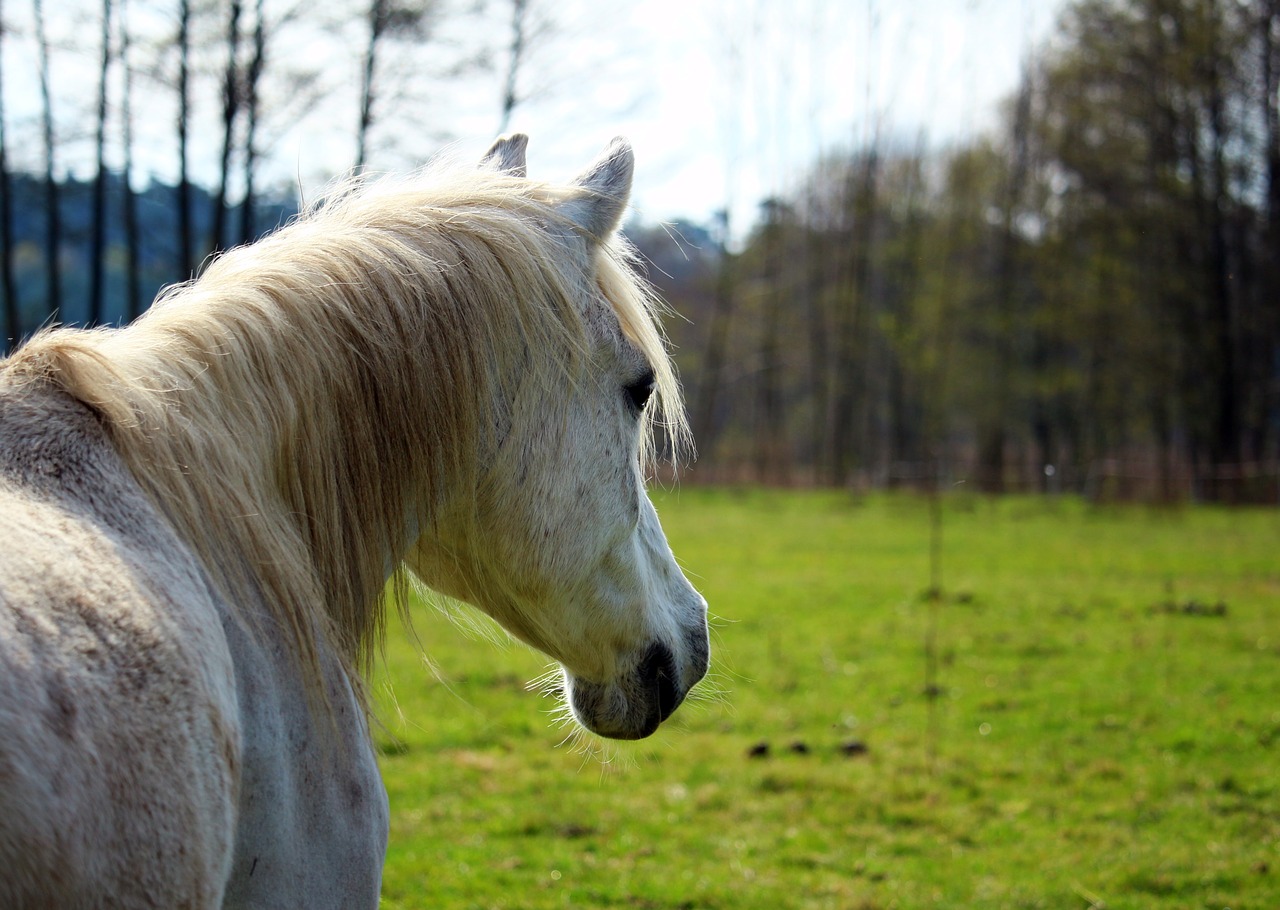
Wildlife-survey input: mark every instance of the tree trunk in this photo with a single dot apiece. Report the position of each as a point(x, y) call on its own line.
point(132, 236)
point(1268, 25)
point(854, 288)
point(905, 432)
point(12, 312)
point(186, 227)
point(704, 412)
point(818, 362)
point(1269, 28)
point(770, 426)
point(379, 11)
point(993, 431)
point(515, 60)
point(98, 244)
point(256, 64)
point(53, 219)
point(230, 110)
point(1226, 438)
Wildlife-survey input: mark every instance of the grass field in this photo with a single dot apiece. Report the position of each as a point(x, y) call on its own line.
point(1101, 726)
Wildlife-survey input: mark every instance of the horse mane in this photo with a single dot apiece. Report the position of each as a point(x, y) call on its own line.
point(286, 408)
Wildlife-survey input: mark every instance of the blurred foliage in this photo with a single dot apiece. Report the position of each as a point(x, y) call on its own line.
point(1084, 298)
point(1094, 286)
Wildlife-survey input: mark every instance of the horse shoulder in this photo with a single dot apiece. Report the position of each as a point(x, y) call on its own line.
point(153, 745)
point(119, 732)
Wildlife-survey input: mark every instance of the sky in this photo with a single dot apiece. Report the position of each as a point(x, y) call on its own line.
point(726, 102)
point(729, 101)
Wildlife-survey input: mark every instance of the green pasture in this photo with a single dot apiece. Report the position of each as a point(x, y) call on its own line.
point(1098, 725)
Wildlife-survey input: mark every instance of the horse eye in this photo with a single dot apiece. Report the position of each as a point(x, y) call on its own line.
point(640, 391)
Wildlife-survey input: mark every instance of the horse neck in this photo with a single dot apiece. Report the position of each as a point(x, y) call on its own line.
point(307, 431)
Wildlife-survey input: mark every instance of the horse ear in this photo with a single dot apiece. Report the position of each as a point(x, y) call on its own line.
point(607, 186)
point(506, 155)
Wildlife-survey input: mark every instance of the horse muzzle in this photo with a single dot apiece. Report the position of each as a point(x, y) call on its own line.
point(634, 706)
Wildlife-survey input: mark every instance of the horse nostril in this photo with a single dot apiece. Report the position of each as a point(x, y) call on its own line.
point(659, 670)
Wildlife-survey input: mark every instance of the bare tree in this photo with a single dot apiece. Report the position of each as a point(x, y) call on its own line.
point(993, 429)
point(853, 291)
point(252, 76)
point(12, 313)
point(133, 237)
point(186, 227)
point(772, 464)
point(516, 55)
point(386, 19)
point(53, 221)
point(98, 245)
point(231, 101)
point(717, 344)
point(378, 19)
point(1267, 27)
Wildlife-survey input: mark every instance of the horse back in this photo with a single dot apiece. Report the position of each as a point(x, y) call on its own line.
point(119, 738)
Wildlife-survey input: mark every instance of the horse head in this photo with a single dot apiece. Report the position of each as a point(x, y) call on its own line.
point(561, 544)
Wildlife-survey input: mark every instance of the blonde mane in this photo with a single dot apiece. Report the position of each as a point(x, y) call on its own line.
point(286, 409)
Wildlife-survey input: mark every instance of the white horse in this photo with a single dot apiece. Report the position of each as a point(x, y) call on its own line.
point(200, 513)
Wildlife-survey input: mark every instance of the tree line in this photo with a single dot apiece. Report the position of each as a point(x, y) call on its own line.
point(1086, 297)
point(89, 230)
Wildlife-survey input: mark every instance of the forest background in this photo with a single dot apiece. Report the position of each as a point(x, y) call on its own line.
point(1081, 294)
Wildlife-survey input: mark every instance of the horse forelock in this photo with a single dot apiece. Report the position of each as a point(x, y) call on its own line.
point(310, 398)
